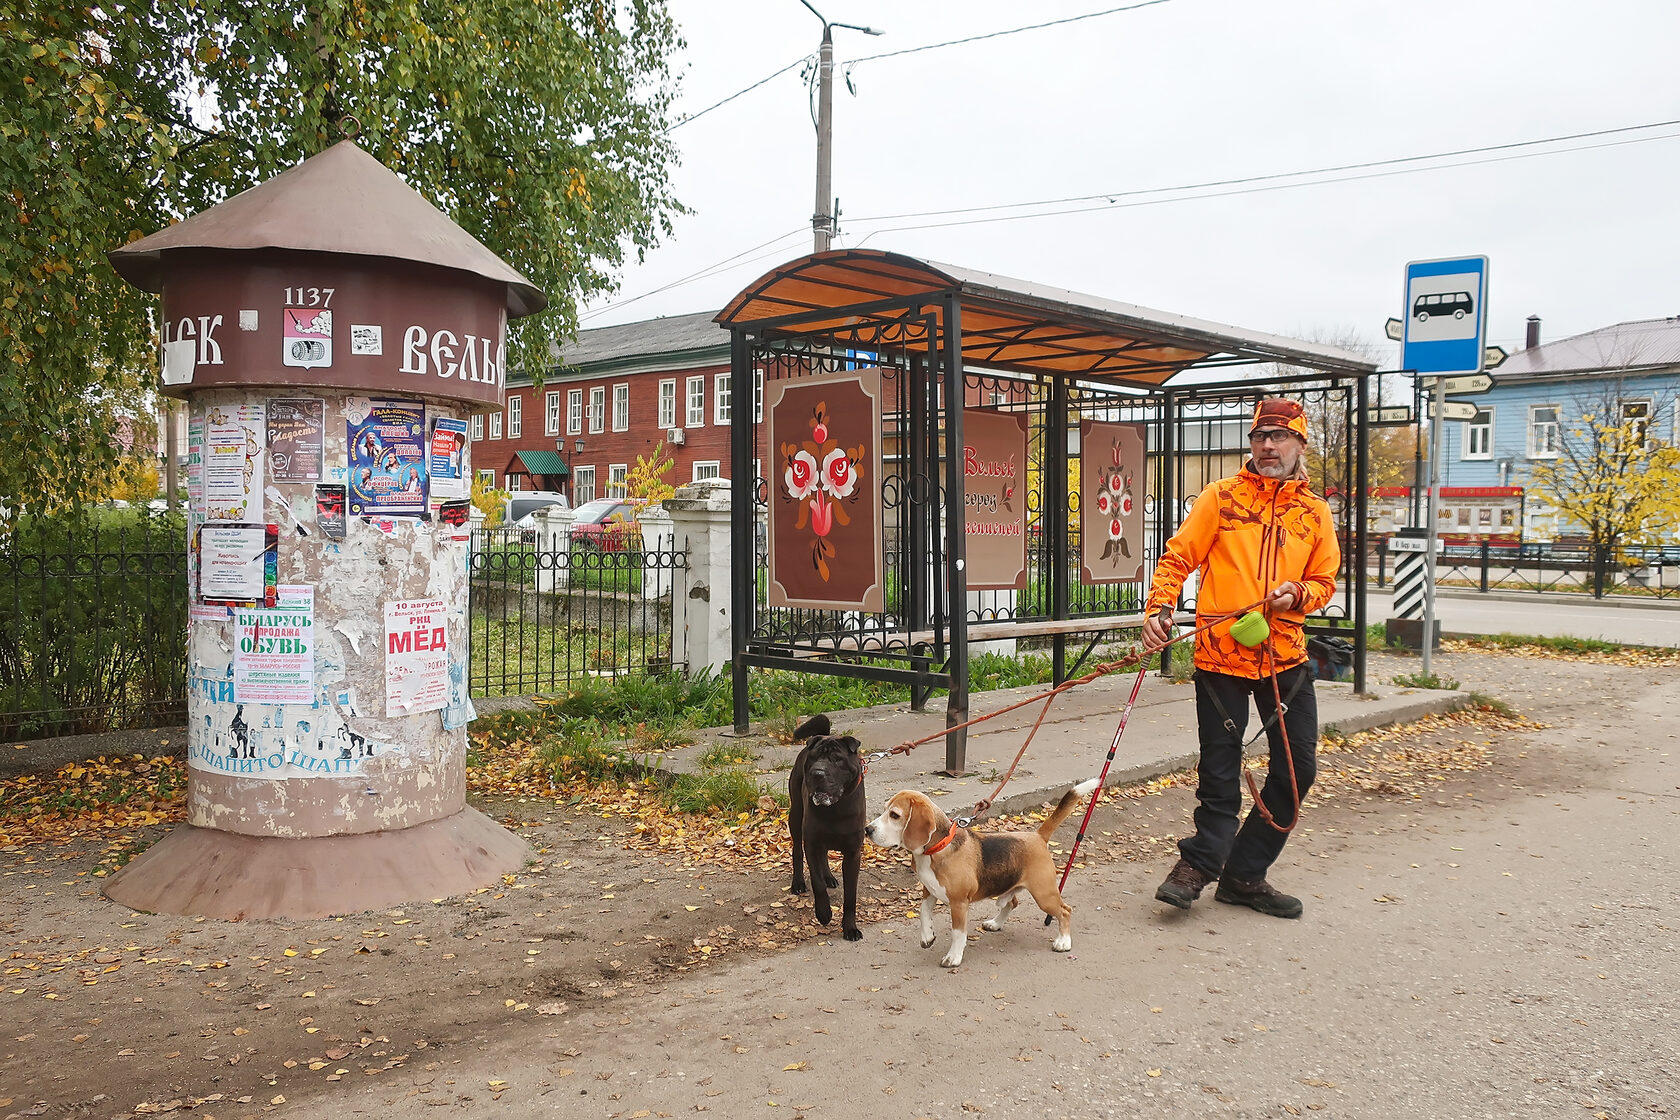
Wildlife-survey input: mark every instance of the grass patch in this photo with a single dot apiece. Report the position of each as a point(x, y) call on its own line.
point(732, 789)
point(1425, 680)
point(1574, 646)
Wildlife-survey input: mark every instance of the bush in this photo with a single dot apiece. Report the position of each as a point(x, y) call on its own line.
point(93, 622)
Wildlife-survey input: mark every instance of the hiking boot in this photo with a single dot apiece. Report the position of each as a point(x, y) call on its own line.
point(1258, 895)
point(1183, 885)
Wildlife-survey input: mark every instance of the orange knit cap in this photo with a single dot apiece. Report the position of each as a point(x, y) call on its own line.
point(1280, 412)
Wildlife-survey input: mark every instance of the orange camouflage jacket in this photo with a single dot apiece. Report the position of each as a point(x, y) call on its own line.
point(1247, 534)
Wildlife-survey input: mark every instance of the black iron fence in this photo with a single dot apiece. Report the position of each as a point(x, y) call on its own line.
point(1642, 573)
point(93, 623)
point(93, 619)
point(547, 612)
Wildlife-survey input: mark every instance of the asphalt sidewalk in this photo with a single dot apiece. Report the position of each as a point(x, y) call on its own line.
point(1071, 745)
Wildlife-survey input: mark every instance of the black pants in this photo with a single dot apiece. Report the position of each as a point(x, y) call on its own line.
point(1218, 848)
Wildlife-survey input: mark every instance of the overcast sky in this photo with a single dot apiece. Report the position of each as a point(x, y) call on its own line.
point(1187, 92)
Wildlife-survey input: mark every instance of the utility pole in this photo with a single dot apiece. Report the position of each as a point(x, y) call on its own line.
point(823, 215)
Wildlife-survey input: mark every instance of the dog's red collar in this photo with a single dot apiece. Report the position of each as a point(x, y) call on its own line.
point(950, 833)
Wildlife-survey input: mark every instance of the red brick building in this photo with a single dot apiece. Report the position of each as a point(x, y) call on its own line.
point(615, 393)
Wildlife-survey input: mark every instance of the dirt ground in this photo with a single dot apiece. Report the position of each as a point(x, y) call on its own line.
point(115, 1013)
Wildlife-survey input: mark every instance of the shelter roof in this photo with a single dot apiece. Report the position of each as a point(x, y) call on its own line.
point(538, 462)
point(1015, 324)
point(1640, 346)
point(341, 200)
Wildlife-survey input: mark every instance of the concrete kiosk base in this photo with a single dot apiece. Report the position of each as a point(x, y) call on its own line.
point(229, 875)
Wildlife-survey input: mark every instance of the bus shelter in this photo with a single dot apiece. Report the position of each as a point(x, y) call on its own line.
point(926, 460)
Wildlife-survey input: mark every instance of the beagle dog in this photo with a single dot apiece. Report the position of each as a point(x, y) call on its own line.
point(960, 867)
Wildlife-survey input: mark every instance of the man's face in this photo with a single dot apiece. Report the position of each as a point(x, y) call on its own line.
point(1276, 451)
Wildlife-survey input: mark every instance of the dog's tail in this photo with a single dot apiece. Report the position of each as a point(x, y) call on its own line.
point(1065, 806)
point(816, 725)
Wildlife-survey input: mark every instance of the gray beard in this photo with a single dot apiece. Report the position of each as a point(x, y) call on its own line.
point(1273, 470)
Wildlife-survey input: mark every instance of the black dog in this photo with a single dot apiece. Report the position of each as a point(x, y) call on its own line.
point(826, 813)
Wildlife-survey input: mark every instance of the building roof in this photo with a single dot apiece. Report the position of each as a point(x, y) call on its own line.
point(1016, 324)
point(673, 334)
point(1639, 346)
point(537, 462)
point(341, 200)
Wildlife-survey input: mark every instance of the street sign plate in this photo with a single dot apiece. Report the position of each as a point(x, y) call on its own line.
point(1395, 329)
point(1445, 316)
point(1493, 357)
point(1411, 544)
point(1394, 417)
point(1458, 410)
point(1472, 383)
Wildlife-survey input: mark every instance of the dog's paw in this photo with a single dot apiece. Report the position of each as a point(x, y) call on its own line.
point(992, 924)
point(828, 877)
point(1063, 944)
point(853, 934)
point(950, 960)
point(927, 942)
point(825, 914)
point(798, 887)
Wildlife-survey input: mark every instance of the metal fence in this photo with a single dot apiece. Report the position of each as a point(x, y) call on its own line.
point(1634, 573)
point(93, 619)
point(547, 613)
point(93, 624)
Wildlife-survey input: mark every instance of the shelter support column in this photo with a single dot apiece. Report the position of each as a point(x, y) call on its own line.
point(956, 563)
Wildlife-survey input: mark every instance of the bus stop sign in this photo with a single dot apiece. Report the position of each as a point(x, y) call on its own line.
point(1446, 316)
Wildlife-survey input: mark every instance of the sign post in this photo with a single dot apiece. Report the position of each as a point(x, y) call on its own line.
point(1445, 333)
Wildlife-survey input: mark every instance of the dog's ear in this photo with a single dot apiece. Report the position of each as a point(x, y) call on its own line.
point(918, 824)
point(816, 725)
point(850, 742)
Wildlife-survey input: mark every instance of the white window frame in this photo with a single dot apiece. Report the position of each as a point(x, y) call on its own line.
point(583, 485)
point(515, 417)
point(1477, 441)
point(1641, 403)
point(597, 409)
point(516, 483)
point(713, 467)
point(721, 398)
point(668, 403)
point(621, 407)
point(495, 425)
point(476, 427)
point(485, 474)
point(618, 477)
point(695, 398)
point(551, 413)
point(574, 412)
point(1536, 426)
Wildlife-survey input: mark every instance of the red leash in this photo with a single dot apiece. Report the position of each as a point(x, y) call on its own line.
point(1096, 794)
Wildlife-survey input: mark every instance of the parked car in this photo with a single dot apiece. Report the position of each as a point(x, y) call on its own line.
point(521, 506)
point(607, 525)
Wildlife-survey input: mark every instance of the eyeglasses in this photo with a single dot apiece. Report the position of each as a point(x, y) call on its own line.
point(1271, 435)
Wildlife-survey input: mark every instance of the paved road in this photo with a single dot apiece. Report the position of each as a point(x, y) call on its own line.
point(1550, 616)
point(1504, 951)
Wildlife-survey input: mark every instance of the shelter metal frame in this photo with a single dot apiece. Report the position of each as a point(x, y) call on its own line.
point(946, 339)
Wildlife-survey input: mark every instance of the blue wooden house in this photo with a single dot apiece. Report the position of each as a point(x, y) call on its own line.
point(1630, 370)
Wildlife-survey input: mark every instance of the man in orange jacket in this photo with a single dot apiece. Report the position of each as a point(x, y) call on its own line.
point(1260, 537)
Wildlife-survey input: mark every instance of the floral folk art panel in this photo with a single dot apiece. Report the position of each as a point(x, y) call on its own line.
point(825, 491)
point(1111, 492)
point(994, 506)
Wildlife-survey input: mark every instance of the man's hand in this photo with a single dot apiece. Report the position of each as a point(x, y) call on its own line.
point(1285, 596)
point(1157, 631)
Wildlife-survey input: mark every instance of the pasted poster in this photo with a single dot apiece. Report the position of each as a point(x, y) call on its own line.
point(274, 658)
point(233, 462)
point(1111, 495)
point(277, 741)
point(297, 429)
point(238, 563)
point(416, 657)
point(387, 456)
point(306, 337)
point(825, 491)
point(195, 460)
point(329, 510)
point(994, 501)
point(449, 458)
